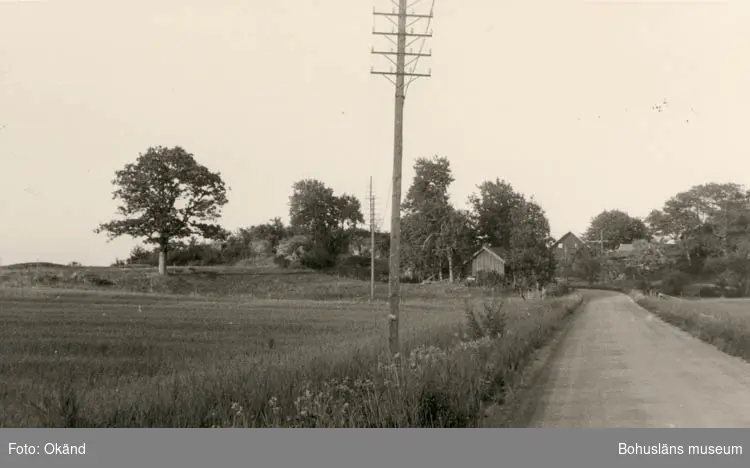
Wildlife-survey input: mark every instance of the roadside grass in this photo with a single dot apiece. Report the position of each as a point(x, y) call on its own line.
point(104, 359)
point(724, 323)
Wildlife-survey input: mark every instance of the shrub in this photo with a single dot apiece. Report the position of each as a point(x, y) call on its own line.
point(559, 289)
point(281, 261)
point(674, 283)
point(491, 323)
point(318, 257)
point(489, 278)
point(474, 329)
point(358, 267)
point(195, 255)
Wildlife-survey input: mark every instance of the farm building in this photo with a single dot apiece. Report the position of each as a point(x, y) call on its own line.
point(566, 247)
point(671, 250)
point(487, 259)
point(623, 251)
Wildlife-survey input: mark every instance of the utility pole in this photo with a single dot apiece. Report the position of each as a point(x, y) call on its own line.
point(603, 263)
point(601, 251)
point(600, 242)
point(372, 243)
point(400, 74)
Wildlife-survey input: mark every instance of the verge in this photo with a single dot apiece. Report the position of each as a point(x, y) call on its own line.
point(516, 404)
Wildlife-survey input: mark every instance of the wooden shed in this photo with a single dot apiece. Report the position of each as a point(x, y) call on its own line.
point(487, 259)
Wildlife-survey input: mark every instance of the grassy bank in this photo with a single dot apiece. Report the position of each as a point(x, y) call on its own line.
point(98, 359)
point(724, 323)
point(216, 282)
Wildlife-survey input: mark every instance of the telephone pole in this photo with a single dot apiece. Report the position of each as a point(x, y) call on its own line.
point(400, 74)
point(372, 243)
point(601, 252)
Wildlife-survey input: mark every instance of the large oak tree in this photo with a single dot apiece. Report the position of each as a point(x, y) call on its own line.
point(166, 196)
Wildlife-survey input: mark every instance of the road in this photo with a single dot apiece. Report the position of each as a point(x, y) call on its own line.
point(619, 366)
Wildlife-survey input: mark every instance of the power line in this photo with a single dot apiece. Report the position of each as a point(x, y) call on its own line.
point(424, 41)
point(382, 221)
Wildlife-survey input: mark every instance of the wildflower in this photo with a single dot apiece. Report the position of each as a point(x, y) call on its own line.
point(273, 403)
point(237, 408)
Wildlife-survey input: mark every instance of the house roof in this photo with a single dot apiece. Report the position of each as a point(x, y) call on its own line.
point(565, 236)
point(495, 251)
point(624, 250)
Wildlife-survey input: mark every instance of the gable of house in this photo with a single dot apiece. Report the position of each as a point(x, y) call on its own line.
point(569, 240)
point(567, 246)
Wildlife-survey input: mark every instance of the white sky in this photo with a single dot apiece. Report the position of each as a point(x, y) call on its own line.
point(554, 96)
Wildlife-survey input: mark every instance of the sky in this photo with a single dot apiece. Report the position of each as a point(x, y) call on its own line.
point(555, 97)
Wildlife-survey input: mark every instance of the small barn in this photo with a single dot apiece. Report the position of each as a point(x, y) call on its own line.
point(487, 259)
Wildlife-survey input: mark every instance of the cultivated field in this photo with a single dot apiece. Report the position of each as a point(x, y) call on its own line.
point(724, 323)
point(100, 357)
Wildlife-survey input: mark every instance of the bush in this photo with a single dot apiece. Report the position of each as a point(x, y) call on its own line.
point(358, 267)
point(281, 261)
point(559, 289)
point(489, 278)
point(196, 255)
point(318, 258)
point(674, 283)
point(491, 323)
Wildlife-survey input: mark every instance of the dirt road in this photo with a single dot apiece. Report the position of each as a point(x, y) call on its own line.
point(619, 366)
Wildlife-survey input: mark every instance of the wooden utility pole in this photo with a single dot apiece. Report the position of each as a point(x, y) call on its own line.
point(603, 267)
point(601, 251)
point(400, 74)
point(372, 243)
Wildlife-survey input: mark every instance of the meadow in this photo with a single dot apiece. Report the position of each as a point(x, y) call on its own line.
point(99, 355)
point(724, 323)
point(258, 281)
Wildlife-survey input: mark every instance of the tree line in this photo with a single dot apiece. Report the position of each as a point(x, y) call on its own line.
point(698, 235)
point(171, 202)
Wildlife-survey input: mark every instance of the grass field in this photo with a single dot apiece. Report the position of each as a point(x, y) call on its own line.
point(256, 282)
point(724, 323)
point(98, 357)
